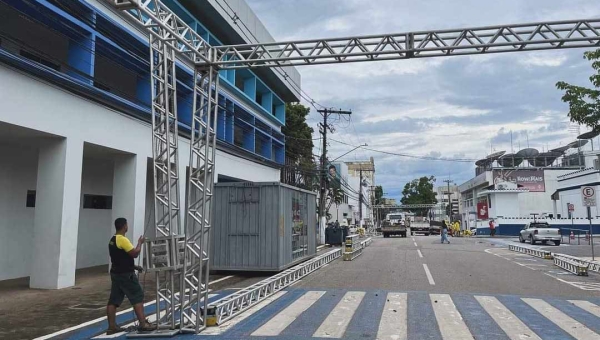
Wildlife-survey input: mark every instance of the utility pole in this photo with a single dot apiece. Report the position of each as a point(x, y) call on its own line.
point(323, 128)
point(448, 181)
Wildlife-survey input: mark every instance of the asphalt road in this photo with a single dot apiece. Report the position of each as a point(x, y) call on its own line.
point(417, 288)
point(466, 265)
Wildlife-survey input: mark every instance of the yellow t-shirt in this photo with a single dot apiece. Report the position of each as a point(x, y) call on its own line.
point(124, 243)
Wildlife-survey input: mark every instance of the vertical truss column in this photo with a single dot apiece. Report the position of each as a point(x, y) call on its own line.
point(163, 249)
point(199, 196)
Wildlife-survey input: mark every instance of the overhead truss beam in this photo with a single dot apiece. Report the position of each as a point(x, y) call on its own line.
point(423, 44)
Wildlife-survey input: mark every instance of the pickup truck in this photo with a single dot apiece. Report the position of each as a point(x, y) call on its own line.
point(540, 231)
point(394, 225)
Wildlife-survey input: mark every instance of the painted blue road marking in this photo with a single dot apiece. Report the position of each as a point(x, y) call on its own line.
point(543, 327)
point(479, 322)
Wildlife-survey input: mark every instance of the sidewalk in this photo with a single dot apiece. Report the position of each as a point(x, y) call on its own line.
point(29, 313)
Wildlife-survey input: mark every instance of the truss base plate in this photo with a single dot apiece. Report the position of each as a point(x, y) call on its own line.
point(161, 333)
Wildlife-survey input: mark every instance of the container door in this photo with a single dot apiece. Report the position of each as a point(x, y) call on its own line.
point(243, 233)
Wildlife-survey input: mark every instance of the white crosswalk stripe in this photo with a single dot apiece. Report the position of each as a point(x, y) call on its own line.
point(338, 320)
point(568, 324)
point(508, 322)
point(393, 323)
point(587, 306)
point(280, 322)
point(449, 319)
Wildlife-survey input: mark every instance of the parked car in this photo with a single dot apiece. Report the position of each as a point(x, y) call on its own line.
point(540, 231)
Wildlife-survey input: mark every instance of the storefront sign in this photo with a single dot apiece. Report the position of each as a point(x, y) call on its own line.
point(482, 211)
point(533, 180)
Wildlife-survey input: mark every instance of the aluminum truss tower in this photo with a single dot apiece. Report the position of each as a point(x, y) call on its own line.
point(179, 255)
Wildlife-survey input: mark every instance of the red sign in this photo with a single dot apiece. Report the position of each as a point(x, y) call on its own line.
point(524, 178)
point(571, 207)
point(482, 211)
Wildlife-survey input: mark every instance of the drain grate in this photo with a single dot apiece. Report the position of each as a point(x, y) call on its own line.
point(88, 306)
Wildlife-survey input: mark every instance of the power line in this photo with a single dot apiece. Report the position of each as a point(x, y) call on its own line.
point(429, 158)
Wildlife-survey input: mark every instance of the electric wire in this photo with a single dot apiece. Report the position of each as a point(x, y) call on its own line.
point(429, 158)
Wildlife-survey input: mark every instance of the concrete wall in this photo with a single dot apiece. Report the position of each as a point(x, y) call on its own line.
point(80, 121)
point(18, 171)
point(95, 225)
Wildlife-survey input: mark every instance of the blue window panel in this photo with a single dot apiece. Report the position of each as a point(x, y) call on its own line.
point(229, 121)
point(278, 109)
point(278, 154)
point(181, 12)
point(144, 93)
point(244, 135)
point(263, 144)
point(222, 125)
point(184, 106)
point(81, 57)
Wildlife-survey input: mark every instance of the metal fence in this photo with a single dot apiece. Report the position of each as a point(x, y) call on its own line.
point(230, 306)
point(592, 265)
point(572, 264)
point(544, 254)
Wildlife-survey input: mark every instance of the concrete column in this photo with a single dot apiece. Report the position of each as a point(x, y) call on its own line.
point(56, 218)
point(129, 194)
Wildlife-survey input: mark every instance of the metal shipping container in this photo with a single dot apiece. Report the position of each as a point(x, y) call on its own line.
point(262, 226)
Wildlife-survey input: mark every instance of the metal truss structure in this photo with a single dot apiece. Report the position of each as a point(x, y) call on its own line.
point(424, 44)
point(405, 206)
point(232, 305)
point(179, 255)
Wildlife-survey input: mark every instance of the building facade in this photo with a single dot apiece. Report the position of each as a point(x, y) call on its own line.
point(75, 132)
point(535, 195)
point(361, 175)
point(444, 197)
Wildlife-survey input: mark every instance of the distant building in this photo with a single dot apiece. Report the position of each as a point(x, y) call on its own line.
point(442, 198)
point(517, 186)
point(365, 171)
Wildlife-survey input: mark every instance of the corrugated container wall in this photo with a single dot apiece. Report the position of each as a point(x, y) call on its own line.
point(262, 226)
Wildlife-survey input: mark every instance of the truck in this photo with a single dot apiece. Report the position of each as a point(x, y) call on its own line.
point(395, 224)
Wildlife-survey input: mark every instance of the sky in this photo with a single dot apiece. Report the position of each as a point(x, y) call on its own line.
point(451, 107)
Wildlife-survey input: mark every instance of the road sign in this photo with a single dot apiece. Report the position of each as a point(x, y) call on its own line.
point(588, 196)
point(571, 207)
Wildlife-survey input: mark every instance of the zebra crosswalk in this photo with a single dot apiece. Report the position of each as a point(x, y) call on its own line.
point(339, 314)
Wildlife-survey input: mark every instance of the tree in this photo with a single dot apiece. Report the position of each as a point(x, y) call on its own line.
point(419, 191)
point(300, 168)
point(584, 103)
point(378, 194)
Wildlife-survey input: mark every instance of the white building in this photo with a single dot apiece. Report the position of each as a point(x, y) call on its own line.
point(444, 196)
point(75, 133)
point(362, 171)
point(540, 183)
point(568, 193)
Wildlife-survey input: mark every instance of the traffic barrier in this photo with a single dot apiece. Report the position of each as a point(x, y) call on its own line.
point(544, 254)
point(571, 264)
point(226, 308)
point(572, 236)
point(592, 265)
point(354, 248)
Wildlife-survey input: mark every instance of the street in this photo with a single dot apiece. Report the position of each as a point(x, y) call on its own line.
point(417, 288)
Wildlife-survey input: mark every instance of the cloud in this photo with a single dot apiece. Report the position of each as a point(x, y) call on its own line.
point(455, 107)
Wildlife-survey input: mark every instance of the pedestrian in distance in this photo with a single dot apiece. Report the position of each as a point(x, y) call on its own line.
point(444, 232)
point(124, 281)
point(492, 228)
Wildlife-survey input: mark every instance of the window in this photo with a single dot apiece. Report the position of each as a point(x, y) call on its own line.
point(30, 203)
point(97, 202)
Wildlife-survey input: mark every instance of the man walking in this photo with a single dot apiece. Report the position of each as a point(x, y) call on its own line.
point(124, 281)
point(492, 228)
point(444, 232)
